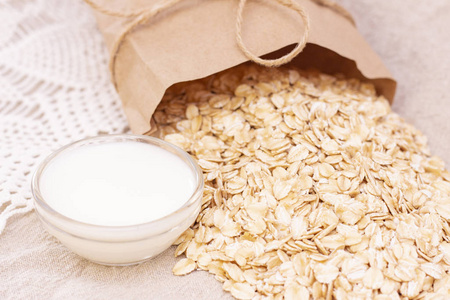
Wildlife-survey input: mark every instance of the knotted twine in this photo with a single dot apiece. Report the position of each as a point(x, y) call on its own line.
point(142, 16)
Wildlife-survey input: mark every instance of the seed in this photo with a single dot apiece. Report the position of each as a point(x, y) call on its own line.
point(326, 170)
point(184, 266)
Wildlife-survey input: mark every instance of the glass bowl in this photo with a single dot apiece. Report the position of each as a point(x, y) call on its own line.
point(119, 245)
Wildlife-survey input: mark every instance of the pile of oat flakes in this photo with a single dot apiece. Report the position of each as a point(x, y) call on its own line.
point(313, 189)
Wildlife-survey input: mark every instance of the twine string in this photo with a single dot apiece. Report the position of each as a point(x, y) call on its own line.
point(142, 16)
point(284, 59)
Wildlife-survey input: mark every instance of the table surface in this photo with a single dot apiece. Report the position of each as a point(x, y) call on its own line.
point(413, 42)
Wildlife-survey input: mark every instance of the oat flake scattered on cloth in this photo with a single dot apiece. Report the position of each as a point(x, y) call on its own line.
point(313, 187)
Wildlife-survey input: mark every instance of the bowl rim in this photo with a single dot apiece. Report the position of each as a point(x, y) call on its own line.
point(102, 139)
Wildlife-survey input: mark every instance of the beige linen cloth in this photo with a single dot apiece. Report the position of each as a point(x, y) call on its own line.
point(413, 41)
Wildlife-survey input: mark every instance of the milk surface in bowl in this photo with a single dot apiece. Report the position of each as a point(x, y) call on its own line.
point(118, 199)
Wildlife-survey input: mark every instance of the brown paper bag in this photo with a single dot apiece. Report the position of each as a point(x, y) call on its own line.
point(196, 38)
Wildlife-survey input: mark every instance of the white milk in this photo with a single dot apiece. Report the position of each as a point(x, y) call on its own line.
point(117, 183)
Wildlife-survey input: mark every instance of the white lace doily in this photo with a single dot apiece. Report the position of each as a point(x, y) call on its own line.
point(54, 89)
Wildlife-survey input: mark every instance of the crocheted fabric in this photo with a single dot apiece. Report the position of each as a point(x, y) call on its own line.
point(54, 89)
